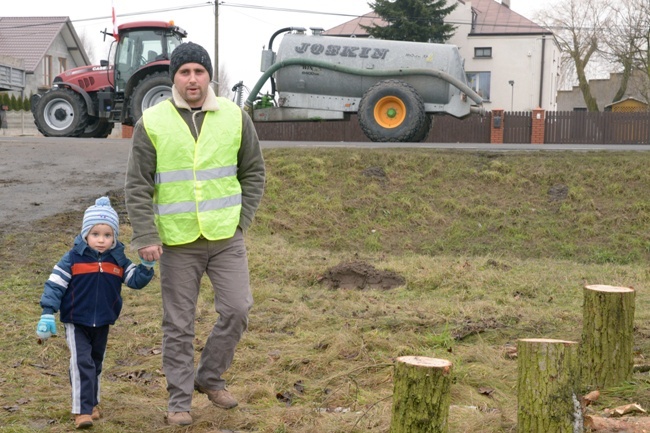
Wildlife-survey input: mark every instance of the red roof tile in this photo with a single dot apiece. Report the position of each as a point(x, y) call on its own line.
point(29, 38)
point(491, 18)
point(495, 18)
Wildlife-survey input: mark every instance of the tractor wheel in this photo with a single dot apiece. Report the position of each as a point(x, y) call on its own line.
point(392, 111)
point(61, 113)
point(151, 90)
point(97, 128)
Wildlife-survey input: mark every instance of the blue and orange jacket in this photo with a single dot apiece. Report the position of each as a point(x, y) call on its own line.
point(86, 285)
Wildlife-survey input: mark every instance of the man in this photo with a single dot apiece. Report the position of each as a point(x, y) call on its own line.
point(194, 180)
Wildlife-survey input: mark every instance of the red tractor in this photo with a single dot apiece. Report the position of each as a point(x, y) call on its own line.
point(87, 101)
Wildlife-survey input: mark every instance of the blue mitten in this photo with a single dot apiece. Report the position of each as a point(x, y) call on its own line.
point(148, 263)
point(46, 326)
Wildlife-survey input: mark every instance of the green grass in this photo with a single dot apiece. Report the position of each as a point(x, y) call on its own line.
point(493, 246)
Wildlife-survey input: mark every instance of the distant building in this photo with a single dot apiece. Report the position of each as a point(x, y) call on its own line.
point(604, 91)
point(34, 50)
point(510, 60)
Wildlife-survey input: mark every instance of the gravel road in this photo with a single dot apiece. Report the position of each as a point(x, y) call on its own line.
point(40, 177)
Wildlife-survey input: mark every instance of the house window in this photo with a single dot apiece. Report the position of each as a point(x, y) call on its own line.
point(480, 83)
point(63, 64)
point(483, 52)
point(47, 71)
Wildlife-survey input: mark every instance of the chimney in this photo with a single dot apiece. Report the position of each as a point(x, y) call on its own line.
point(506, 3)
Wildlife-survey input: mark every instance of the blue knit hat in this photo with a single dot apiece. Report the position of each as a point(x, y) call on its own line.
point(101, 213)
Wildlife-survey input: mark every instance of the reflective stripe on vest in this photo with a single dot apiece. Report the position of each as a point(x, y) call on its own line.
point(196, 187)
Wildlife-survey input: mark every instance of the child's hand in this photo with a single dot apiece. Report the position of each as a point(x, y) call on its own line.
point(46, 326)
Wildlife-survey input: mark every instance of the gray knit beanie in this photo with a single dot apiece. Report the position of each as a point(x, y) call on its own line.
point(189, 52)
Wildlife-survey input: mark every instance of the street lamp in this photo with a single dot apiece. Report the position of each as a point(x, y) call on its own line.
point(512, 93)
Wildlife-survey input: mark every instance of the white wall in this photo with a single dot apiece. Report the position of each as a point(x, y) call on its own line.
point(514, 57)
point(520, 59)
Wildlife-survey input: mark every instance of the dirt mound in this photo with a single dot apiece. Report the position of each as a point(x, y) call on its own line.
point(362, 276)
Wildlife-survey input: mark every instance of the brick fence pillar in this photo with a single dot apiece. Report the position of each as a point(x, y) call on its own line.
point(537, 131)
point(127, 131)
point(496, 127)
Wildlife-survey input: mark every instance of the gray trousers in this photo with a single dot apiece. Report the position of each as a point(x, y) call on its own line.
point(181, 269)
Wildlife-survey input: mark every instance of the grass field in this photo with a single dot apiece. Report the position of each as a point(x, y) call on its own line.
point(492, 246)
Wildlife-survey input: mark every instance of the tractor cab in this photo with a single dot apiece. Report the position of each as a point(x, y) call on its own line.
point(140, 44)
point(140, 69)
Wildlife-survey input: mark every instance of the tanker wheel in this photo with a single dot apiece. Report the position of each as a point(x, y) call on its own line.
point(61, 113)
point(392, 111)
point(97, 128)
point(151, 90)
point(424, 130)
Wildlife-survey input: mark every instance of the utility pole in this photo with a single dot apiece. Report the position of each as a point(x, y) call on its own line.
point(512, 93)
point(215, 77)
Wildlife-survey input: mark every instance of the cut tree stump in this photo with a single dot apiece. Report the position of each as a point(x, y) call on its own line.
point(421, 395)
point(607, 336)
point(548, 386)
point(620, 425)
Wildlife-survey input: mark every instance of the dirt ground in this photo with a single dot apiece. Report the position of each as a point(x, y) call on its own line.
point(360, 275)
point(59, 178)
point(41, 177)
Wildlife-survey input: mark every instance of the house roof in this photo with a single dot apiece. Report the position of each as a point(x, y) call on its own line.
point(29, 38)
point(353, 27)
point(492, 18)
point(629, 98)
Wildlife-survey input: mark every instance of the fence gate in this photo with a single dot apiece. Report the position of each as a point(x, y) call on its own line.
point(517, 126)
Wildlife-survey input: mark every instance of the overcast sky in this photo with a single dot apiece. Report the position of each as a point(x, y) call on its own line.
point(245, 26)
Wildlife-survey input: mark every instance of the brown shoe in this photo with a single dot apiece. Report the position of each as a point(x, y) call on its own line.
point(83, 421)
point(179, 418)
point(219, 397)
point(96, 414)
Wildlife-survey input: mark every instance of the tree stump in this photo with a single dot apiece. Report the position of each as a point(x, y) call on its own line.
point(607, 336)
point(548, 386)
point(421, 395)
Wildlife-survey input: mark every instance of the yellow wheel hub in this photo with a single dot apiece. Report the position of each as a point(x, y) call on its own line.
point(390, 112)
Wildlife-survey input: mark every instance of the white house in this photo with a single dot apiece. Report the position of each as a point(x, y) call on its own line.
point(37, 49)
point(511, 61)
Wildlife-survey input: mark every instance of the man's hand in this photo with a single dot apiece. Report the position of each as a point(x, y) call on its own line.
point(151, 253)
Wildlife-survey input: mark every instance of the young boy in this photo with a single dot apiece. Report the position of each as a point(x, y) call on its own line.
point(85, 286)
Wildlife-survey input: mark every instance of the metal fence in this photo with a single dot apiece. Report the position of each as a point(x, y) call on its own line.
point(21, 123)
point(608, 127)
point(445, 129)
point(562, 127)
point(325, 130)
point(474, 128)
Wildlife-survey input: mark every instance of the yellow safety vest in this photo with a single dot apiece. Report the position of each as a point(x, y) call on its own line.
point(196, 187)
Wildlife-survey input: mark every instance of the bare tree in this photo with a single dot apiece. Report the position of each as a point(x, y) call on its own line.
point(627, 43)
point(577, 26)
point(88, 46)
point(223, 83)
